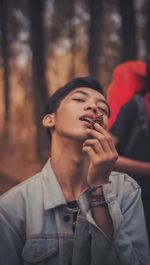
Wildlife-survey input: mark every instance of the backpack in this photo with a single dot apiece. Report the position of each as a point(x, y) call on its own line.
point(138, 146)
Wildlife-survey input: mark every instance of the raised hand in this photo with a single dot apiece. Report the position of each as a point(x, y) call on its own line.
point(102, 154)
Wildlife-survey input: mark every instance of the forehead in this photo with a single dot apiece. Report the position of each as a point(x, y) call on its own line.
point(88, 92)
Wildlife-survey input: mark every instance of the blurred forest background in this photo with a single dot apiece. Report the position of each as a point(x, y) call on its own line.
point(43, 44)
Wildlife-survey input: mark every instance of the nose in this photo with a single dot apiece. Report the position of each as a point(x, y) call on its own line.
point(92, 107)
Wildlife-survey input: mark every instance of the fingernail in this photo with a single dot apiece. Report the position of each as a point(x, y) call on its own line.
point(95, 124)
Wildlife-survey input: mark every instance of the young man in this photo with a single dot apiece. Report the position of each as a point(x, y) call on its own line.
point(76, 210)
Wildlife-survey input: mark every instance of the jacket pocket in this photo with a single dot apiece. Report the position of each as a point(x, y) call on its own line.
point(40, 251)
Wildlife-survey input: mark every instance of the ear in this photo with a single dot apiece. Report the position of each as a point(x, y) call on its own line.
point(49, 120)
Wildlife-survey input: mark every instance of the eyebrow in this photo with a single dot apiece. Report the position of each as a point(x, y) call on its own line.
point(100, 100)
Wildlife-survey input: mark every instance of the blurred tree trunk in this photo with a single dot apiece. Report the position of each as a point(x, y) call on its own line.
point(147, 33)
point(72, 38)
point(5, 56)
point(128, 31)
point(72, 69)
point(95, 10)
point(63, 25)
point(40, 91)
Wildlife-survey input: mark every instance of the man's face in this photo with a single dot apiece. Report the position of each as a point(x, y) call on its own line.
point(77, 110)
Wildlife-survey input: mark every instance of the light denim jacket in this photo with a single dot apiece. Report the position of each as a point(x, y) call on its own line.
point(36, 226)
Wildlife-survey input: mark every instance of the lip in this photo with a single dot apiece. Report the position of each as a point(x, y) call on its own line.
point(88, 115)
point(92, 117)
point(87, 124)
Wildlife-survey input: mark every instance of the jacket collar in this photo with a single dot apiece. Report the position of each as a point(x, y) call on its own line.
point(53, 195)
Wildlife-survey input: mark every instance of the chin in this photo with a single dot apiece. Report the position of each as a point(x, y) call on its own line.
point(83, 137)
point(78, 135)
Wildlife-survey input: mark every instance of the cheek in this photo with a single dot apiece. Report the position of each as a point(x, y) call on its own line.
point(64, 117)
point(61, 120)
point(67, 112)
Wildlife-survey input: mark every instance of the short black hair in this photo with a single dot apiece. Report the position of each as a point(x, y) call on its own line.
point(55, 99)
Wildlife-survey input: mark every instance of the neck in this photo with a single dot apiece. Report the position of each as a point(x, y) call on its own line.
point(70, 167)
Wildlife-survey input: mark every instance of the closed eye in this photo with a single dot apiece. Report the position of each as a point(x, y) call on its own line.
point(79, 99)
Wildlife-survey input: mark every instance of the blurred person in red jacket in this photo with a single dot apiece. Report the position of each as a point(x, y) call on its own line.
point(129, 124)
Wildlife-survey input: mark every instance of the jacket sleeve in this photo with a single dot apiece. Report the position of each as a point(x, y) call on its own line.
point(10, 243)
point(131, 239)
point(130, 243)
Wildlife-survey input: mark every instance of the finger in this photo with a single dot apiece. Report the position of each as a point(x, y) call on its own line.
point(103, 139)
point(112, 145)
point(101, 134)
point(95, 133)
point(95, 144)
point(89, 151)
point(101, 129)
point(100, 145)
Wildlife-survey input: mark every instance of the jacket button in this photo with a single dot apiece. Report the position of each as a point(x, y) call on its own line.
point(67, 218)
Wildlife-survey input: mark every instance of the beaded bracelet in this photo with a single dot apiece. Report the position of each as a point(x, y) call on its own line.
point(97, 200)
point(96, 187)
